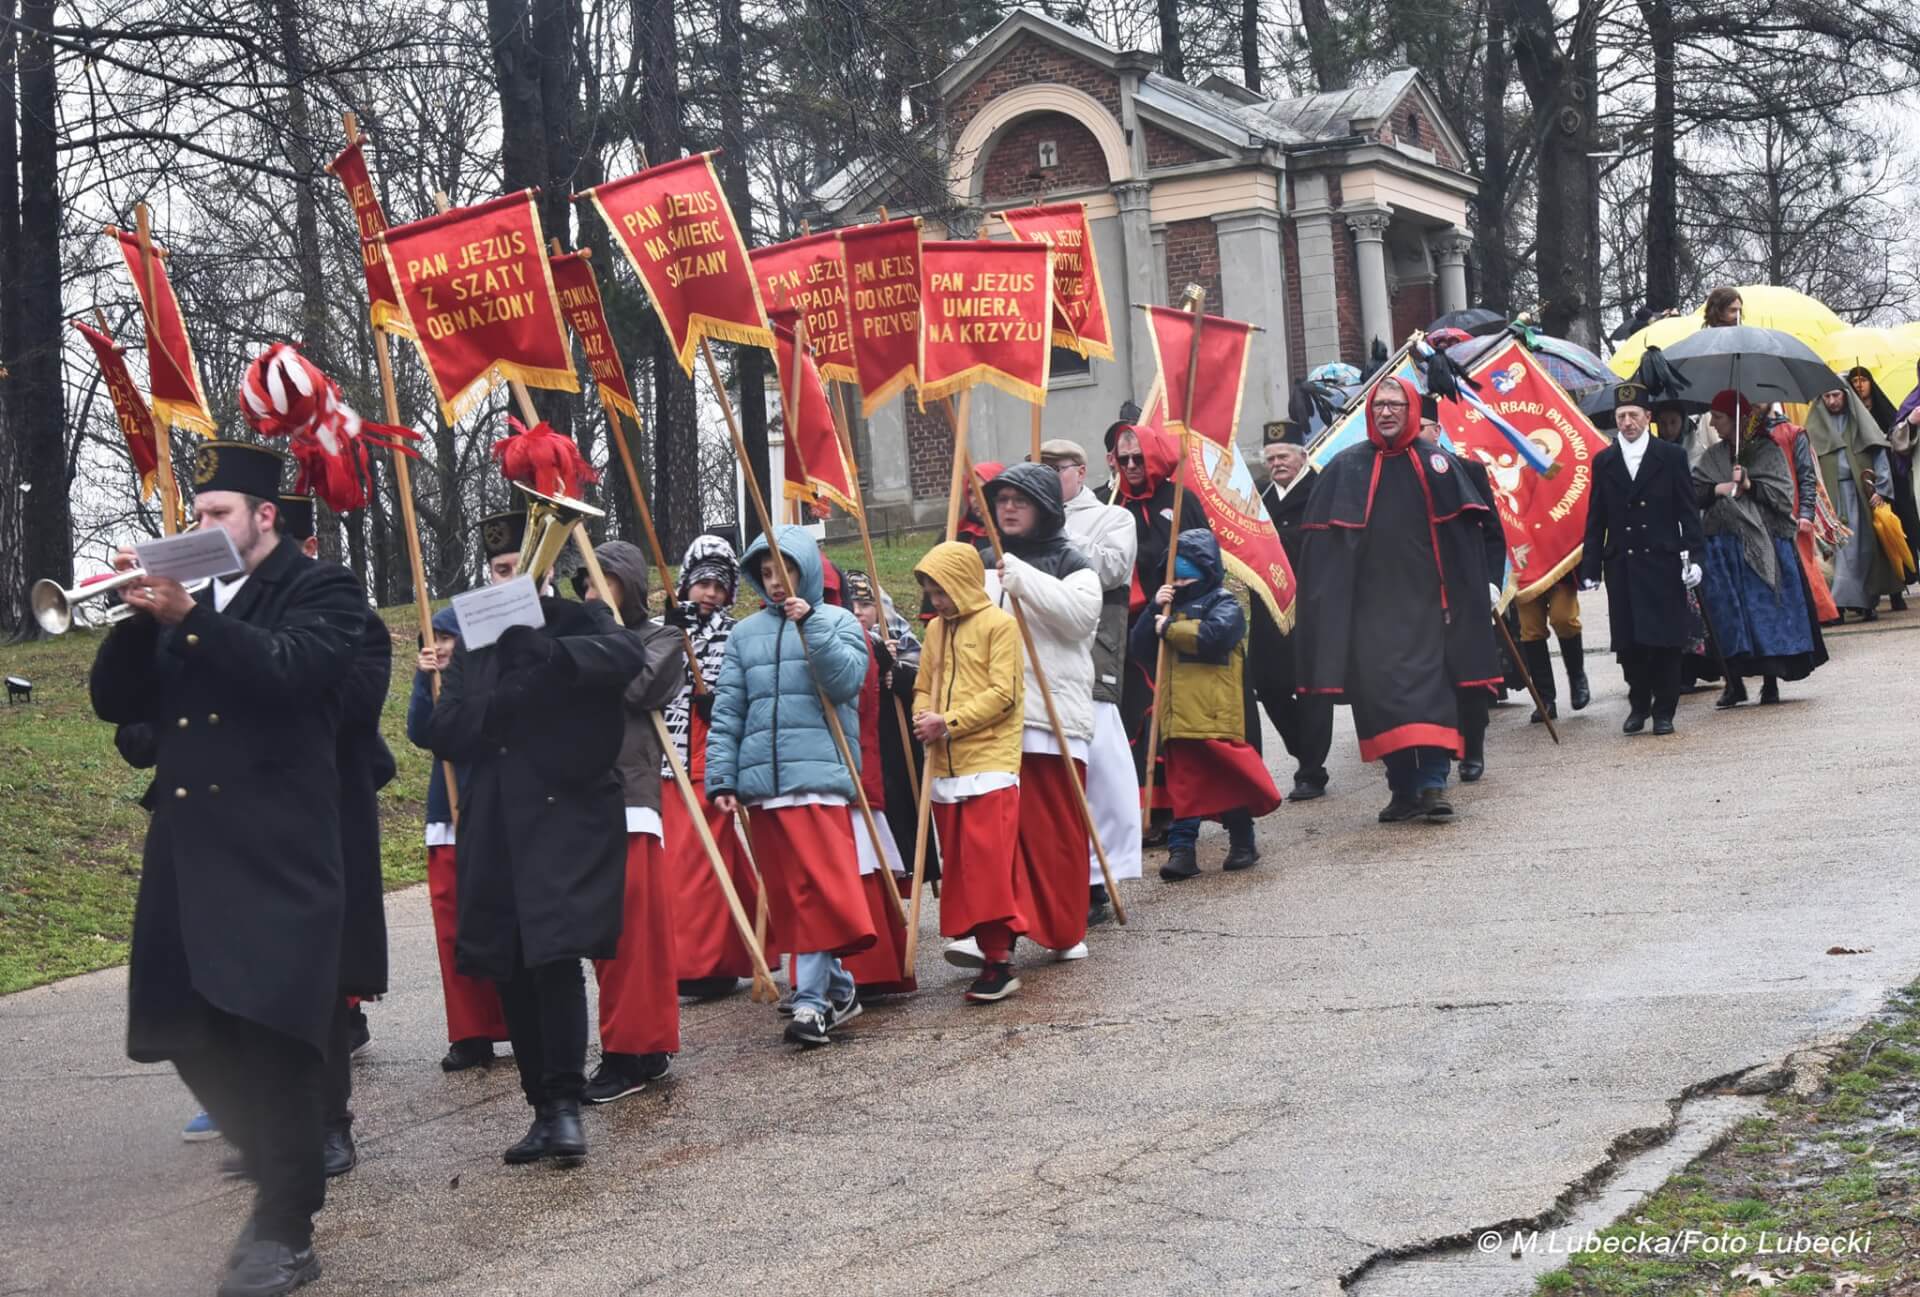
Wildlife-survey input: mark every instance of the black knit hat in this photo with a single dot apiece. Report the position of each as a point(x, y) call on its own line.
point(238, 466)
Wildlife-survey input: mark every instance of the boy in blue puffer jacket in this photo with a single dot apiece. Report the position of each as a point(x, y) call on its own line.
point(769, 746)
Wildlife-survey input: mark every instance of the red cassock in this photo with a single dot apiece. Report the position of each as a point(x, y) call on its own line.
point(1050, 884)
point(806, 856)
point(473, 1003)
point(876, 970)
point(1207, 778)
point(978, 839)
point(706, 942)
point(639, 995)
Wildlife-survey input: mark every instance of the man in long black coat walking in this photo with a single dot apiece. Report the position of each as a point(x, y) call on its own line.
point(1643, 532)
point(1305, 721)
point(235, 963)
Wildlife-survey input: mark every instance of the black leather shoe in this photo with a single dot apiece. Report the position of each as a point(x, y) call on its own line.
point(1663, 725)
point(1553, 710)
point(338, 1152)
point(475, 1051)
point(1180, 866)
point(1635, 722)
point(1733, 695)
point(533, 1145)
point(566, 1142)
point(1099, 907)
point(1471, 770)
point(264, 1268)
point(1769, 691)
point(1435, 806)
point(1239, 858)
point(1400, 809)
point(1306, 792)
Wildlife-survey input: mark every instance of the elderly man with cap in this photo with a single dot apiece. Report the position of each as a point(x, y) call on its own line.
point(1304, 721)
point(234, 973)
point(1106, 534)
point(1643, 534)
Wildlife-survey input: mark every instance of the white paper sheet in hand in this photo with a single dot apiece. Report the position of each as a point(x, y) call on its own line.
point(486, 612)
point(191, 556)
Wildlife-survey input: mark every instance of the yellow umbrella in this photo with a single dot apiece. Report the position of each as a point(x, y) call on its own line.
point(1765, 306)
point(1888, 353)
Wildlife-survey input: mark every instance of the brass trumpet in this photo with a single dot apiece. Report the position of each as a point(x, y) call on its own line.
point(54, 607)
point(550, 520)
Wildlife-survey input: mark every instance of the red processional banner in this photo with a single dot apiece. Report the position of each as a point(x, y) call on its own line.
point(173, 375)
point(1214, 412)
point(809, 275)
point(1080, 320)
point(479, 299)
point(1545, 517)
point(1249, 545)
point(676, 228)
point(816, 468)
point(383, 299)
point(883, 307)
point(136, 422)
point(986, 316)
point(579, 294)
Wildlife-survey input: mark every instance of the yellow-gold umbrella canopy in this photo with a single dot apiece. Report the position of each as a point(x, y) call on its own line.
point(1764, 306)
point(1887, 353)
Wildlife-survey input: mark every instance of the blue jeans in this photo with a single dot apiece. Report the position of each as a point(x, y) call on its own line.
point(1410, 771)
point(815, 978)
point(1183, 834)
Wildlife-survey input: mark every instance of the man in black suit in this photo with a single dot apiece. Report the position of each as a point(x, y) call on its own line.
point(1305, 722)
point(1643, 532)
point(235, 963)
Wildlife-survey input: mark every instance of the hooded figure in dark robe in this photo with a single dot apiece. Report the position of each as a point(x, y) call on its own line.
point(1396, 589)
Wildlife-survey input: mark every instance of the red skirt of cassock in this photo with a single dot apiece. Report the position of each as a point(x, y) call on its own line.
point(1207, 778)
point(473, 1003)
point(706, 942)
point(978, 840)
point(639, 995)
point(807, 858)
point(1050, 859)
point(876, 970)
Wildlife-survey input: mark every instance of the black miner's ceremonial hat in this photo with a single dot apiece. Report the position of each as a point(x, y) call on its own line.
point(502, 533)
point(296, 516)
point(1631, 394)
point(237, 466)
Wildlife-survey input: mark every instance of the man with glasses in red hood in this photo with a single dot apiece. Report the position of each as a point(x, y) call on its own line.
point(1397, 588)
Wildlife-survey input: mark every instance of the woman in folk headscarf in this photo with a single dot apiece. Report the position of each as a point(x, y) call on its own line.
point(1754, 593)
point(1851, 452)
point(1903, 435)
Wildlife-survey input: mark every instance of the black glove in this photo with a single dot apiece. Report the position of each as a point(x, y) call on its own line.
point(678, 614)
point(703, 704)
point(881, 653)
point(138, 745)
point(524, 646)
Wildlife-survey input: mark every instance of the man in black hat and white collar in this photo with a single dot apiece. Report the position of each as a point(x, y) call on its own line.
point(1643, 532)
point(1304, 721)
point(235, 960)
point(501, 536)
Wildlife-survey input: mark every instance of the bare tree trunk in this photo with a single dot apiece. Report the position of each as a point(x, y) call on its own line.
point(1325, 55)
point(1250, 44)
point(13, 577)
point(38, 497)
point(1663, 177)
point(749, 366)
point(1490, 202)
point(1565, 231)
point(676, 433)
point(1172, 62)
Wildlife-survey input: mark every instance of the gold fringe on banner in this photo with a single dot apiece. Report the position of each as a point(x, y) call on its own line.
point(705, 326)
point(992, 376)
point(470, 398)
point(184, 414)
point(609, 396)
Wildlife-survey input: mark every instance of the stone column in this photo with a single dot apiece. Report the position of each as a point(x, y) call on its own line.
point(1140, 285)
point(1450, 251)
point(1253, 279)
point(1376, 307)
point(1319, 299)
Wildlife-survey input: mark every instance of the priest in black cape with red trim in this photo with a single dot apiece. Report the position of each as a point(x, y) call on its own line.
point(1397, 587)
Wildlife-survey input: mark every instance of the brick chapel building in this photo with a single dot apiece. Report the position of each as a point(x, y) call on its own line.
point(1330, 220)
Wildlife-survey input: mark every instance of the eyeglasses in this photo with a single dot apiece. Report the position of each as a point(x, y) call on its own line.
point(1130, 459)
point(1389, 405)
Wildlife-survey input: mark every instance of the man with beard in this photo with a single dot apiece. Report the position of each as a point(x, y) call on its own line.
point(1305, 721)
point(1397, 591)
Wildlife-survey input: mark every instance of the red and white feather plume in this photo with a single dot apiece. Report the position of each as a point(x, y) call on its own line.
point(541, 458)
point(283, 394)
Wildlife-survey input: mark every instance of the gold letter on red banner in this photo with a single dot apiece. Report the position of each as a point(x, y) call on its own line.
point(987, 317)
point(136, 424)
point(383, 300)
point(479, 297)
point(677, 230)
point(883, 307)
point(814, 465)
point(809, 274)
point(1079, 303)
point(580, 300)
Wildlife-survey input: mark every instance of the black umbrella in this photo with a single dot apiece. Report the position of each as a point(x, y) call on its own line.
point(1475, 321)
point(1761, 364)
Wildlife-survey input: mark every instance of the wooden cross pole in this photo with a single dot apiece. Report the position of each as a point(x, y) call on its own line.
point(1040, 678)
point(162, 434)
point(1196, 303)
point(1033, 452)
point(764, 991)
point(826, 704)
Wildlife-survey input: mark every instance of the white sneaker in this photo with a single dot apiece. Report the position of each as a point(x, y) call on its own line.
point(1078, 951)
point(965, 953)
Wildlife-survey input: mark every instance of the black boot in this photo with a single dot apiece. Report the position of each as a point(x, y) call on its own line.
point(533, 1146)
point(566, 1142)
point(1897, 601)
point(1733, 695)
point(1769, 690)
point(1540, 667)
point(338, 1153)
point(1473, 763)
point(1180, 865)
point(1574, 658)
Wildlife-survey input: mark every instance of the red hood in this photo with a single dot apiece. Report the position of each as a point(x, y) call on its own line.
point(1412, 428)
point(1162, 451)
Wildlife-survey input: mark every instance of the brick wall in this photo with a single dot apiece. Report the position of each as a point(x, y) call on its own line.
point(1027, 61)
point(1295, 308)
point(929, 451)
point(1011, 165)
point(1165, 150)
point(1413, 308)
point(1424, 134)
point(1193, 257)
point(1346, 279)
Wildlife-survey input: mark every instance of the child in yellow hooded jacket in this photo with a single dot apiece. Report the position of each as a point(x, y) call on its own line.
point(967, 708)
